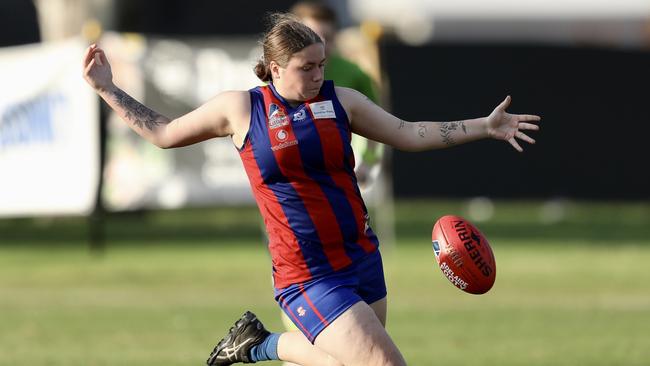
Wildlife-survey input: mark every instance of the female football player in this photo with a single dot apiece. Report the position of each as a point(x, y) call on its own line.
point(293, 136)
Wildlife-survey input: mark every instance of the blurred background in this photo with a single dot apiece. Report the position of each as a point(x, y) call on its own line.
point(113, 251)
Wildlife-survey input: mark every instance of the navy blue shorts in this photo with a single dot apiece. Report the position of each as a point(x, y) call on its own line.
point(314, 304)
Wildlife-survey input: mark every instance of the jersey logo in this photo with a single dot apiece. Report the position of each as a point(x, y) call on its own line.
point(301, 311)
point(300, 115)
point(281, 135)
point(323, 109)
point(283, 139)
point(277, 118)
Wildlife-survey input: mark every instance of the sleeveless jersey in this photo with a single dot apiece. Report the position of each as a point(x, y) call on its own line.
point(301, 169)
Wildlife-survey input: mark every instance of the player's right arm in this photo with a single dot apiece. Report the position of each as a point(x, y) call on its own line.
point(213, 119)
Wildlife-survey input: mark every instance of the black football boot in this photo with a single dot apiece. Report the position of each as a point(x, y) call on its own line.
point(236, 345)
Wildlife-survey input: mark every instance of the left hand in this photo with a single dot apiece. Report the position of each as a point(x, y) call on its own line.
point(502, 125)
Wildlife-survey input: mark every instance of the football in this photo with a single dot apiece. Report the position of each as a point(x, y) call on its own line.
point(463, 254)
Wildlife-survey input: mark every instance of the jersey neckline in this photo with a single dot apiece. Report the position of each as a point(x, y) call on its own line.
point(287, 105)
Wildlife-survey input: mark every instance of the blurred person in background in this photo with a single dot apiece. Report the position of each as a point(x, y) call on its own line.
point(322, 19)
point(293, 136)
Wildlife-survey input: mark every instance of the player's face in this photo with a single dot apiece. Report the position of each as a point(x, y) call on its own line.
point(303, 77)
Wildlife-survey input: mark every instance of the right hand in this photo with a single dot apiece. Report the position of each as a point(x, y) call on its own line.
point(97, 70)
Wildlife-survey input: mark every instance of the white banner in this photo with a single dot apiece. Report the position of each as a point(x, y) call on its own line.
point(49, 143)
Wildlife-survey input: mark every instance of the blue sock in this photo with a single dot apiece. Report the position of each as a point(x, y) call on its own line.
point(267, 350)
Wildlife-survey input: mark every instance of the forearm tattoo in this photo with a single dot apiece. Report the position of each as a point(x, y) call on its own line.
point(401, 124)
point(447, 127)
point(138, 113)
point(422, 130)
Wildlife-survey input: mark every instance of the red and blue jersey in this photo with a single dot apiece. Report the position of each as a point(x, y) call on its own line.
point(301, 169)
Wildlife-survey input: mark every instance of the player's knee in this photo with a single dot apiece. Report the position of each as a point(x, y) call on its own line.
point(379, 351)
point(385, 357)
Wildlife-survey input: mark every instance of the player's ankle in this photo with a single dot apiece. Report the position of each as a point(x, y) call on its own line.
point(267, 350)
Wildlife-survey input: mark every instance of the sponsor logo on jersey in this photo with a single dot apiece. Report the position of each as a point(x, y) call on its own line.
point(284, 145)
point(281, 135)
point(277, 118)
point(273, 108)
point(282, 139)
point(324, 109)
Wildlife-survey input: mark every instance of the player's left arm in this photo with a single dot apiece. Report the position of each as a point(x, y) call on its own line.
point(371, 153)
point(371, 121)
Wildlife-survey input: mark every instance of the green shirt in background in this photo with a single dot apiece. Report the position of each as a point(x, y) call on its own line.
point(347, 74)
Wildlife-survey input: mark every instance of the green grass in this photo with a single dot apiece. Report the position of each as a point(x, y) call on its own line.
point(551, 305)
point(169, 284)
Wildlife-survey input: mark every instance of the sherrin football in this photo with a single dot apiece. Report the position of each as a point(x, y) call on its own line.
point(463, 254)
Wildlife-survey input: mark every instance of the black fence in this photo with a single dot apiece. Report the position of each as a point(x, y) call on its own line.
point(595, 105)
point(194, 17)
point(18, 23)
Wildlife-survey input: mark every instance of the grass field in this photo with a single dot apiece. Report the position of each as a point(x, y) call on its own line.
point(575, 291)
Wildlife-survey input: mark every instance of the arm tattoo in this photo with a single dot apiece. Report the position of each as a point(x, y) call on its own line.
point(137, 112)
point(401, 124)
point(422, 130)
point(447, 127)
